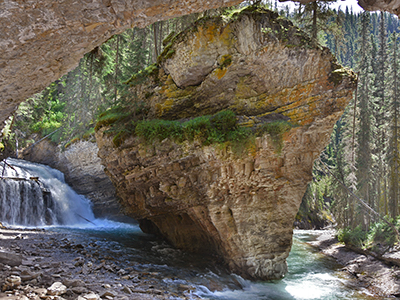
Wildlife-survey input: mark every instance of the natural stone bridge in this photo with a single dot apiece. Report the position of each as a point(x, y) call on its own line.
point(42, 40)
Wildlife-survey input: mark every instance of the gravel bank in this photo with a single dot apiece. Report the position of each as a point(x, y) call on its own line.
point(38, 264)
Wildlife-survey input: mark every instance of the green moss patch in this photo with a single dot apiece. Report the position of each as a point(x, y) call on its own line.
point(275, 129)
point(143, 75)
point(226, 61)
point(110, 117)
point(219, 128)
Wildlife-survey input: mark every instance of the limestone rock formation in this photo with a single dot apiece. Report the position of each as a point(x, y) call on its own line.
point(206, 198)
point(83, 172)
point(392, 6)
point(42, 40)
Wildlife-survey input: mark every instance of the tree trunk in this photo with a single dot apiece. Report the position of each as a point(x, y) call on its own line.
point(314, 29)
point(155, 40)
point(116, 68)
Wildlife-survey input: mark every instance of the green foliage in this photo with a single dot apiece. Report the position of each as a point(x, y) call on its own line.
point(276, 130)
point(382, 233)
point(120, 137)
point(169, 38)
point(219, 128)
point(143, 75)
point(156, 129)
point(354, 237)
point(90, 132)
point(197, 129)
point(111, 116)
point(380, 236)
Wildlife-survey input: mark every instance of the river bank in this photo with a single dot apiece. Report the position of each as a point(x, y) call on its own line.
point(379, 278)
point(55, 265)
point(70, 264)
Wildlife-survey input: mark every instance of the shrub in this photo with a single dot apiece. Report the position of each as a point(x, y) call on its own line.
point(354, 237)
point(88, 133)
point(276, 130)
point(198, 128)
point(110, 117)
point(154, 129)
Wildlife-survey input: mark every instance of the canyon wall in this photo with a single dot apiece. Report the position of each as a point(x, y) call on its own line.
point(206, 197)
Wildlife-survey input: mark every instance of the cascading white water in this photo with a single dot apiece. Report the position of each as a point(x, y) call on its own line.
point(46, 201)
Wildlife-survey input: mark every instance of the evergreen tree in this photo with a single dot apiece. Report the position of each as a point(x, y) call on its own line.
point(314, 17)
point(393, 152)
point(379, 66)
point(364, 155)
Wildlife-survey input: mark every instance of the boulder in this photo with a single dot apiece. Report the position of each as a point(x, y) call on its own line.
point(207, 197)
point(57, 289)
point(10, 258)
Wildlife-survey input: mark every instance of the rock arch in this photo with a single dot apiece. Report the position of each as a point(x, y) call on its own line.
point(42, 40)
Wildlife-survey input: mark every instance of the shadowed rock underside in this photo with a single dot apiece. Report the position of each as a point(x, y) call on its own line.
point(42, 40)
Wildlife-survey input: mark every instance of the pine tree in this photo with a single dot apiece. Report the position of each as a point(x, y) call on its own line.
point(314, 17)
point(364, 155)
point(393, 152)
point(379, 66)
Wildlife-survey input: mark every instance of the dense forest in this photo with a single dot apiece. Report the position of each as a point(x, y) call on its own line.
point(355, 182)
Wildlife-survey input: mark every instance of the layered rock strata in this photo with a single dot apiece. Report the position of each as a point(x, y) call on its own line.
point(206, 198)
point(83, 172)
point(42, 40)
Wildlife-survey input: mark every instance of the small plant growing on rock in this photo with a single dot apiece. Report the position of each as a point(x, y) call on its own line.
point(276, 130)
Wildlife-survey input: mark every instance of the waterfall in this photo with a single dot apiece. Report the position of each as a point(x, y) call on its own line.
point(36, 195)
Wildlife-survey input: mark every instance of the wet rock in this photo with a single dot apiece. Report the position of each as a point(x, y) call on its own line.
point(135, 279)
point(56, 289)
point(73, 282)
point(90, 296)
point(79, 290)
point(79, 261)
point(11, 282)
point(109, 268)
point(19, 237)
point(126, 290)
point(121, 272)
point(27, 275)
point(29, 261)
point(41, 292)
point(10, 258)
point(109, 293)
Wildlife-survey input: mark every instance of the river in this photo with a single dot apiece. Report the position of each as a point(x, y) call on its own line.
point(311, 275)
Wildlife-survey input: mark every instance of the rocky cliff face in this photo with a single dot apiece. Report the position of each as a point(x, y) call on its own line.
point(206, 198)
point(42, 40)
point(83, 172)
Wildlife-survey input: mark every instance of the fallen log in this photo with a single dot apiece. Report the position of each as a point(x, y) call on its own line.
point(386, 260)
point(35, 179)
